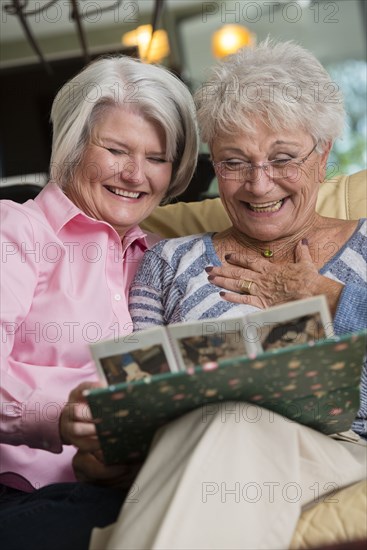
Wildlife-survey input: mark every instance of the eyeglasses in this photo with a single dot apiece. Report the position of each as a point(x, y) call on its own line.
point(277, 168)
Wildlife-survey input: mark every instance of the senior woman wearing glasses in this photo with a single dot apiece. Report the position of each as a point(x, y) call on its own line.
point(269, 118)
point(269, 129)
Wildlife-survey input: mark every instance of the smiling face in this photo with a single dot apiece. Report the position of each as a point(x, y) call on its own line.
point(124, 173)
point(263, 207)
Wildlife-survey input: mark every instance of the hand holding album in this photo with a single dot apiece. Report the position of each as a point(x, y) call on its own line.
point(285, 359)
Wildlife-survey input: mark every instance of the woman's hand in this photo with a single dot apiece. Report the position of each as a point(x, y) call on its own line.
point(77, 426)
point(272, 283)
point(89, 468)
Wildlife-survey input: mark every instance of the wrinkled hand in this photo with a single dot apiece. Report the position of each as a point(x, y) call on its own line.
point(77, 426)
point(89, 468)
point(274, 283)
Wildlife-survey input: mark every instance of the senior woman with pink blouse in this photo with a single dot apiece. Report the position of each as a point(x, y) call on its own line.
point(124, 140)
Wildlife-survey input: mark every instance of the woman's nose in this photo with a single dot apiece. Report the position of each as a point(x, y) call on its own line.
point(258, 179)
point(133, 171)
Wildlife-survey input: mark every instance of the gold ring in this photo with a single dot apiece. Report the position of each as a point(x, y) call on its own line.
point(245, 286)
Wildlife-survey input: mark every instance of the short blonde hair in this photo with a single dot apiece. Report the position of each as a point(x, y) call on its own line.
point(151, 91)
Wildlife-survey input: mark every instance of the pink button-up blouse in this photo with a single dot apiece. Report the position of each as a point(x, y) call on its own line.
point(64, 279)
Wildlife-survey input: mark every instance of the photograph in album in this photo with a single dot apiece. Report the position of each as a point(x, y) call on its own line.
point(201, 342)
point(126, 367)
point(290, 324)
point(134, 356)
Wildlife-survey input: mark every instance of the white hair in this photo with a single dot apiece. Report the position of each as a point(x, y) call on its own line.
point(278, 83)
point(151, 91)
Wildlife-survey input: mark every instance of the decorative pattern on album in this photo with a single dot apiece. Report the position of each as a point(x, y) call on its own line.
point(285, 359)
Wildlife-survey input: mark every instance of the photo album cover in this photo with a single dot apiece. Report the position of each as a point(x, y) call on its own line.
point(285, 359)
point(315, 384)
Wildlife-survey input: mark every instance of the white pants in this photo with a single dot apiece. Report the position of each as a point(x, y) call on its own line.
point(230, 476)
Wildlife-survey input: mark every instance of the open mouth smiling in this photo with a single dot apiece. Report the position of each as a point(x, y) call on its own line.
point(272, 206)
point(124, 193)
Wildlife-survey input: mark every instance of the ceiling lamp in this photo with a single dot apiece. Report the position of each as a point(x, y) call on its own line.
point(151, 50)
point(230, 38)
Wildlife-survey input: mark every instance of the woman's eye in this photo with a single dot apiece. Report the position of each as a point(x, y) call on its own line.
point(116, 151)
point(158, 160)
point(233, 164)
point(281, 161)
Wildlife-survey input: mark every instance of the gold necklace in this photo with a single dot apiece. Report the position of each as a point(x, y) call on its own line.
point(266, 252)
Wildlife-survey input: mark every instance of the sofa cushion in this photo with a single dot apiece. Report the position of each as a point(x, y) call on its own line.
point(339, 517)
point(344, 197)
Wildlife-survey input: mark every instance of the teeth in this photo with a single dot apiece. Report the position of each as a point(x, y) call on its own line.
point(123, 193)
point(273, 206)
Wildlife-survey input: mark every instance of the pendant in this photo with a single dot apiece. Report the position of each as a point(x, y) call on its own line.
point(267, 253)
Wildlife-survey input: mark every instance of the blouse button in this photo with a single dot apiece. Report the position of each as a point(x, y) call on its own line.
point(117, 297)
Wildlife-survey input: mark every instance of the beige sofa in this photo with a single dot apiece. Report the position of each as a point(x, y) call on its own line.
point(342, 517)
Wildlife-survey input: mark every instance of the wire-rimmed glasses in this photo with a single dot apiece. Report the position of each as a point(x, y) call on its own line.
point(277, 168)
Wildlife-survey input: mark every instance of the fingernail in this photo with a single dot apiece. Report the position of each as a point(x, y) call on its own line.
point(227, 256)
point(208, 269)
point(304, 241)
point(222, 294)
point(211, 277)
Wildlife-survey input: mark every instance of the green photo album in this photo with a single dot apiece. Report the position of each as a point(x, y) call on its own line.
point(284, 360)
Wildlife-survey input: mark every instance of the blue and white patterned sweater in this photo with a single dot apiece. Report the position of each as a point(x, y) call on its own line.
point(171, 286)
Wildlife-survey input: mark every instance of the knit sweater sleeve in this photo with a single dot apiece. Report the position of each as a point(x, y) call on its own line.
point(351, 314)
point(149, 289)
point(349, 267)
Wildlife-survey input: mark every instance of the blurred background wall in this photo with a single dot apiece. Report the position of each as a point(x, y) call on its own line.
point(51, 44)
